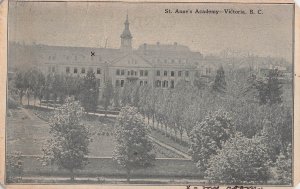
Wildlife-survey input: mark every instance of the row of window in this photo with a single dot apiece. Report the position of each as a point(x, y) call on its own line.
point(170, 60)
point(132, 72)
point(83, 70)
point(120, 83)
point(164, 84)
point(75, 70)
point(172, 73)
point(158, 73)
point(93, 58)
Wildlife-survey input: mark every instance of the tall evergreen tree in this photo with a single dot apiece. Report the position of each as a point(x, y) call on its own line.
point(274, 87)
point(219, 85)
point(89, 92)
point(107, 95)
point(270, 91)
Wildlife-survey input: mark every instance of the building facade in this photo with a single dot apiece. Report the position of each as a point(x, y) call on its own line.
point(158, 65)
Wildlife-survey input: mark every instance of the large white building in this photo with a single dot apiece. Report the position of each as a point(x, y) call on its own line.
point(159, 65)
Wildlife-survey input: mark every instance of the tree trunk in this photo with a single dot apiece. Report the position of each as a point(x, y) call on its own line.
point(166, 130)
point(21, 98)
point(153, 120)
point(181, 133)
point(128, 175)
point(28, 101)
point(72, 175)
point(148, 116)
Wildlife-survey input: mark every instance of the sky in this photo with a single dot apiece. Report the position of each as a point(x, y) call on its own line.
point(90, 24)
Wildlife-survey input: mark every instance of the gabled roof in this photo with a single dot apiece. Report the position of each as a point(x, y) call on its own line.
point(131, 59)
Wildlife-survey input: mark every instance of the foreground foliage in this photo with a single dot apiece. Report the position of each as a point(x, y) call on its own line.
point(68, 145)
point(133, 147)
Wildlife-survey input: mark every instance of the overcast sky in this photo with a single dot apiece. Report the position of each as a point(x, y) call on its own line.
point(90, 24)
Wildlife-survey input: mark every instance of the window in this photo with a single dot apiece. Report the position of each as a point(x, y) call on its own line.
point(206, 71)
point(172, 84)
point(49, 68)
point(117, 83)
point(53, 69)
point(122, 72)
point(173, 61)
point(209, 70)
point(98, 71)
point(172, 73)
point(131, 72)
point(122, 83)
point(179, 73)
point(141, 83)
point(165, 84)
point(141, 73)
point(158, 83)
point(67, 69)
point(75, 58)
point(146, 72)
point(145, 82)
point(166, 60)
point(165, 73)
point(128, 73)
point(75, 70)
point(157, 73)
point(82, 70)
point(117, 72)
point(186, 73)
point(135, 73)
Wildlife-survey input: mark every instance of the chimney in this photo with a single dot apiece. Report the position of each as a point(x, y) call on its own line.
point(157, 43)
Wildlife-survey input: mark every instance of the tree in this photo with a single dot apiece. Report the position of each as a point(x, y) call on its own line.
point(107, 95)
point(240, 161)
point(274, 87)
point(207, 137)
point(68, 145)
point(39, 86)
point(48, 88)
point(20, 84)
point(199, 81)
point(57, 87)
point(133, 147)
point(269, 91)
point(117, 97)
point(90, 92)
point(283, 167)
point(219, 85)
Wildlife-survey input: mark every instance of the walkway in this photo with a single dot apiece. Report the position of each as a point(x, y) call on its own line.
point(186, 156)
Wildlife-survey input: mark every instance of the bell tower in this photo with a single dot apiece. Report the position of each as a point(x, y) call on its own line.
point(126, 36)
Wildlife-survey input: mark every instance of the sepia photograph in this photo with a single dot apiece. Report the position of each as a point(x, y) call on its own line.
point(149, 93)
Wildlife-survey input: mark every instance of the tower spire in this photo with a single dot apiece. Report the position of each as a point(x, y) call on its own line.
point(126, 36)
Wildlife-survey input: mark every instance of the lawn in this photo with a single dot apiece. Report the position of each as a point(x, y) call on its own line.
point(28, 130)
